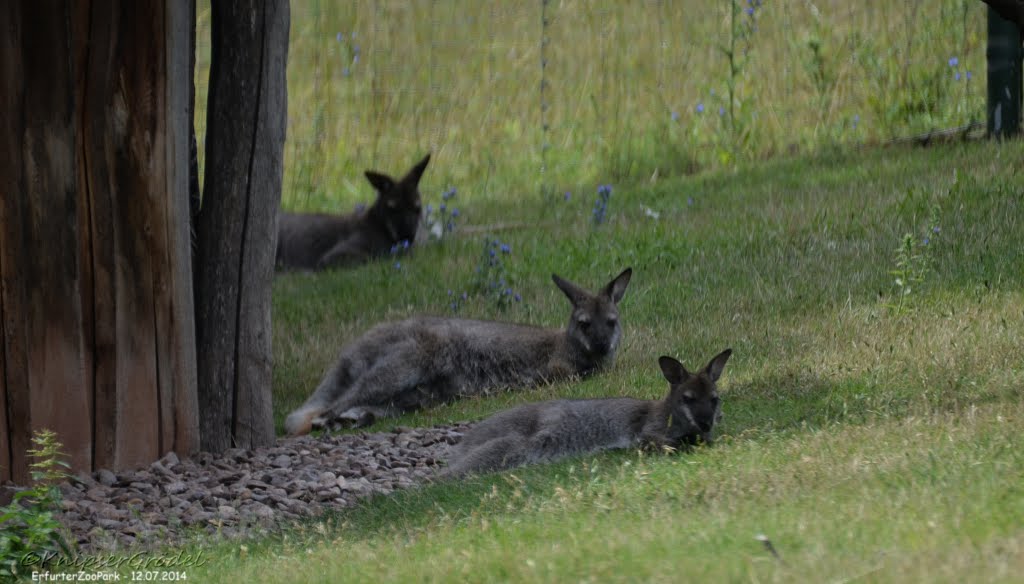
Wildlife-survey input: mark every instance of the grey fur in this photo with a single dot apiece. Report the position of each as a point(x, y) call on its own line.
point(318, 241)
point(546, 431)
point(421, 361)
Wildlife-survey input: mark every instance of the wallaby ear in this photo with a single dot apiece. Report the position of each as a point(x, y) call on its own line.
point(382, 182)
point(673, 370)
point(575, 294)
point(715, 367)
point(617, 287)
point(414, 174)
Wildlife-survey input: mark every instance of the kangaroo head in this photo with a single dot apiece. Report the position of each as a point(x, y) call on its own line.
point(594, 328)
point(693, 404)
point(398, 206)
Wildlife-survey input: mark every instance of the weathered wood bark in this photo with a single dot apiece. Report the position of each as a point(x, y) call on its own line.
point(237, 231)
point(95, 279)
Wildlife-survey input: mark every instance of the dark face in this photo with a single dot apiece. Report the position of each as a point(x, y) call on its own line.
point(693, 400)
point(398, 207)
point(696, 404)
point(594, 324)
point(399, 211)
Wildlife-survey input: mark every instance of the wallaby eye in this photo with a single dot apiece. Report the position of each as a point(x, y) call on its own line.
point(584, 323)
point(612, 321)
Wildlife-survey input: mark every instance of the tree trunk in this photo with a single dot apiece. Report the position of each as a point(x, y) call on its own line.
point(237, 227)
point(95, 281)
point(1005, 65)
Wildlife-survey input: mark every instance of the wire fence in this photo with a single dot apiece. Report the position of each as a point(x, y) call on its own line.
point(524, 97)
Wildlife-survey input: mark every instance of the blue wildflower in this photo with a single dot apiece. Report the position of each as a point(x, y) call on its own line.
point(491, 253)
point(517, 297)
point(750, 11)
point(675, 116)
point(430, 209)
point(405, 244)
point(568, 195)
point(340, 37)
point(398, 265)
point(926, 241)
point(700, 107)
point(936, 229)
point(442, 207)
point(721, 111)
point(506, 248)
point(689, 201)
point(455, 212)
point(345, 72)
point(953, 61)
point(956, 76)
point(968, 75)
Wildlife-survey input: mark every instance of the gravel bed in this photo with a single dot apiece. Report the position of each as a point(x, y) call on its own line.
point(243, 491)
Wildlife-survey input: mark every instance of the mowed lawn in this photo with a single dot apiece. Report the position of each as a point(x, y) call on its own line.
point(866, 439)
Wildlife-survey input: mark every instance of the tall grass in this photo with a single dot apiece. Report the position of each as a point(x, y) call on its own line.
point(374, 84)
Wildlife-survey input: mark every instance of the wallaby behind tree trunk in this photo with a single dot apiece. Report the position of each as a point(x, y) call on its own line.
point(318, 241)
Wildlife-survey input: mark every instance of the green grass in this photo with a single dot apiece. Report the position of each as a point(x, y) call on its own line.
point(462, 79)
point(866, 444)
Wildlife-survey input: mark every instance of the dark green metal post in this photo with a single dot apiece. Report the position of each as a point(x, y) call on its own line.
point(1004, 76)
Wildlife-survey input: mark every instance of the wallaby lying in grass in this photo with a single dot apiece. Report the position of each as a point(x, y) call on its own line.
point(318, 241)
point(550, 430)
point(421, 361)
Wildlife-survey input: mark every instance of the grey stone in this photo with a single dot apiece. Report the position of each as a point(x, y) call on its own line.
point(105, 477)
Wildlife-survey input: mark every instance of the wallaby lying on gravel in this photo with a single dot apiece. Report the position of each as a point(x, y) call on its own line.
point(421, 361)
point(318, 241)
point(546, 431)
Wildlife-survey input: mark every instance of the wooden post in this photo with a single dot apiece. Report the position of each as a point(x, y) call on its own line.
point(1004, 55)
point(237, 226)
point(95, 271)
